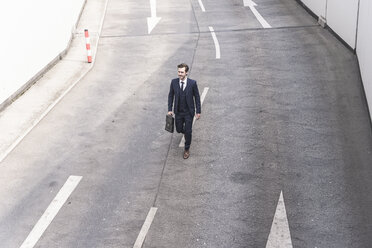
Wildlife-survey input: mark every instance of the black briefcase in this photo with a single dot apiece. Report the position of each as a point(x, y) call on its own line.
point(169, 123)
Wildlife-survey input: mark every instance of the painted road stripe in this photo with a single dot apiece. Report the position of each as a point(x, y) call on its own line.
point(280, 236)
point(216, 44)
point(252, 5)
point(201, 5)
point(205, 91)
point(51, 212)
point(145, 228)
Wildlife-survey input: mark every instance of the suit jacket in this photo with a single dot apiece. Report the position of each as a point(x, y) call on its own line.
point(192, 93)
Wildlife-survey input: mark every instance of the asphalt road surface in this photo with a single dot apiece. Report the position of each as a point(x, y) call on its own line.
point(284, 115)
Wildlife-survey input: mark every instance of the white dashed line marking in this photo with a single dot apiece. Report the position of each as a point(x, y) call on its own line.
point(201, 5)
point(145, 228)
point(216, 44)
point(51, 212)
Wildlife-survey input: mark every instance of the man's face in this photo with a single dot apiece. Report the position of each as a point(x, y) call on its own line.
point(182, 73)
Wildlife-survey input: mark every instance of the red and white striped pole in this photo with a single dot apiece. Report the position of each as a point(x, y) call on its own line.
point(87, 39)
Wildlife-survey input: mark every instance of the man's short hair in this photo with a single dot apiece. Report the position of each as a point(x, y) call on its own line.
point(183, 65)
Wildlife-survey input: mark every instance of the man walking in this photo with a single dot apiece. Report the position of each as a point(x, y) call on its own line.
point(184, 92)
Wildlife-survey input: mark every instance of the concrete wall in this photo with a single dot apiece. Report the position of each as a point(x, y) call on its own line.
point(364, 47)
point(33, 34)
point(351, 20)
point(316, 6)
point(342, 16)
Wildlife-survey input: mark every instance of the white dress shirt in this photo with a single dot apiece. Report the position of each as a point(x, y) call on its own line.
point(185, 83)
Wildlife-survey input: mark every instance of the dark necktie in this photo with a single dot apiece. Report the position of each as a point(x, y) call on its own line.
point(182, 85)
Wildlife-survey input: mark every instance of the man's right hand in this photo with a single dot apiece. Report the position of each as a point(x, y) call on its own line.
point(170, 113)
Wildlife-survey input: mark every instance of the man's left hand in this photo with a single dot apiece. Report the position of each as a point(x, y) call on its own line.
point(197, 116)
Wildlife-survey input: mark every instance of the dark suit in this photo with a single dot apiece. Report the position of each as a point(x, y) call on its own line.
point(184, 117)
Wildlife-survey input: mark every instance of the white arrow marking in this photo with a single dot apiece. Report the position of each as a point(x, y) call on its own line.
point(252, 5)
point(280, 236)
point(205, 91)
point(153, 20)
